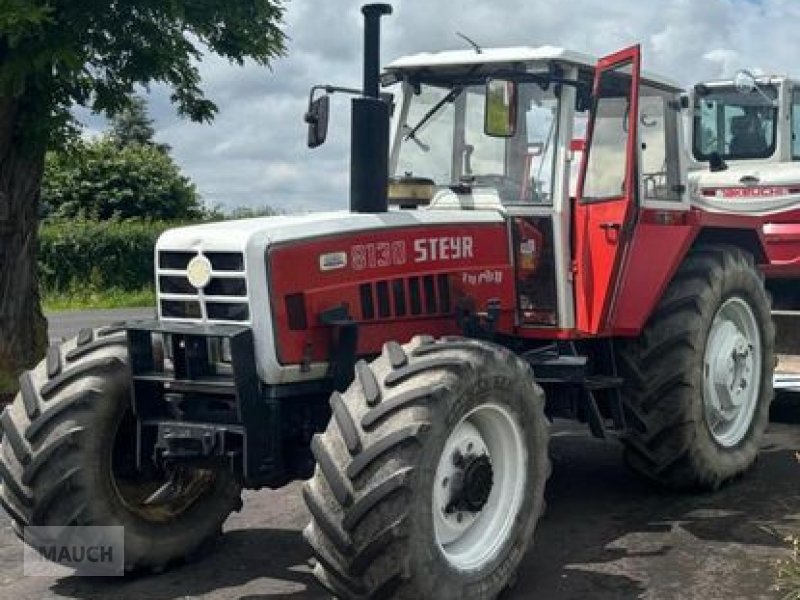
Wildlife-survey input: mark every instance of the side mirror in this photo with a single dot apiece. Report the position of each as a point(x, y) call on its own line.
point(500, 111)
point(317, 119)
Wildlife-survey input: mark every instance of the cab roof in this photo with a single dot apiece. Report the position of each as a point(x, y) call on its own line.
point(524, 54)
point(761, 79)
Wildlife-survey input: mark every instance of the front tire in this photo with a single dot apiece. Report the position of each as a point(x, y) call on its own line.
point(68, 452)
point(698, 380)
point(430, 477)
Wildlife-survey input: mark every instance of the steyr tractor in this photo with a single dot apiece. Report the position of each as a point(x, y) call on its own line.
point(744, 152)
point(408, 361)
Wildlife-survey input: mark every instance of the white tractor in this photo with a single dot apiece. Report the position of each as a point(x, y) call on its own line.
point(744, 153)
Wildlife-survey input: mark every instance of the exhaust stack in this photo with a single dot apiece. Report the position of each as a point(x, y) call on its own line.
point(369, 143)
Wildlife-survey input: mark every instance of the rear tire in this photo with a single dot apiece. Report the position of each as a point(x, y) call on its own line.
point(68, 452)
point(430, 477)
point(698, 380)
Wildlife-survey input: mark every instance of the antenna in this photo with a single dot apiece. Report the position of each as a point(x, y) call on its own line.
point(471, 42)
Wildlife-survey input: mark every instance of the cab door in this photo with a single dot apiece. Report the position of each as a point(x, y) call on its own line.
point(606, 202)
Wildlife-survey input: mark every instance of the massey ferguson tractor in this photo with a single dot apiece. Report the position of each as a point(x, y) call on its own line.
point(407, 361)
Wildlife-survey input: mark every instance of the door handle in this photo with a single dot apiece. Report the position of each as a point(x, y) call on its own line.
point(749, 180)
point(611, 226)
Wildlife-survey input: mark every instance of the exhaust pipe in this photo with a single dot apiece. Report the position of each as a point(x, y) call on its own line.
point(369, 143)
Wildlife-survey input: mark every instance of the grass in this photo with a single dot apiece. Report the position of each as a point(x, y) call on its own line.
point(79, 298)
point(789, 573)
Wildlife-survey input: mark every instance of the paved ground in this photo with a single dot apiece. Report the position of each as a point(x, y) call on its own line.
point(605, 536)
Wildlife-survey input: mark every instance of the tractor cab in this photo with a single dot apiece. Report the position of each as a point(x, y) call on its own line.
point(745, 139)
point(504, 130)
point(745, 150)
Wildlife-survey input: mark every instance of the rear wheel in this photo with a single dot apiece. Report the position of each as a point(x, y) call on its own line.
point(68, 458)
point(699, 377)
point(430, 477)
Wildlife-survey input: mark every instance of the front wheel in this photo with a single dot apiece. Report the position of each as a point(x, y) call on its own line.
point(68, 458)
point(430, 477)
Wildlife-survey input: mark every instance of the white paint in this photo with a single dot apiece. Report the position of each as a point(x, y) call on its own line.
point(519, 54)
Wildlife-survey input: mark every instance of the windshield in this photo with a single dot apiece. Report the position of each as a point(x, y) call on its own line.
point(734, 124)
point(441, 137)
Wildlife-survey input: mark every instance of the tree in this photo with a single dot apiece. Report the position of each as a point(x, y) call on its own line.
point(57, 53)
point(133, 125)
point(101, 180)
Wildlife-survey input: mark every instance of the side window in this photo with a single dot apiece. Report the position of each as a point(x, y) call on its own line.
point(606, 167)
point(658, 134)
point(486, 154)
point(542, 132)
point(796, 124)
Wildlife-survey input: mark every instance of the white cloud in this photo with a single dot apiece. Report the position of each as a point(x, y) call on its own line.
point(255, 152)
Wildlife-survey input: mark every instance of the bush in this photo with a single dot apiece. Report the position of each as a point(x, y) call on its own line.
point(101, 179)
point(97, 255)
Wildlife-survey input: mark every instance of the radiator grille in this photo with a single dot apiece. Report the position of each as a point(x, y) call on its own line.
point(408, 296)
point(223, 299)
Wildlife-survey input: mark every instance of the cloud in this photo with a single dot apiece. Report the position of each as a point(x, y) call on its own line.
point(255, 153)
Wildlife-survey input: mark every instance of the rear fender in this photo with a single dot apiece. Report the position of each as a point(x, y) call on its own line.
point(656, 253)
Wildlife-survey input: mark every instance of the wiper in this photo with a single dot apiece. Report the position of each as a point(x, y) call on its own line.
point(451, 95)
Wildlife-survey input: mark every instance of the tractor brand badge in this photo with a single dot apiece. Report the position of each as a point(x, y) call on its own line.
point(443, 248)
point(332, 260)
point(393, 254)
point(198, 271)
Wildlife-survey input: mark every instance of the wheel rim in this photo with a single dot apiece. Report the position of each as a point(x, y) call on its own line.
point(479, 486)
point(163, 495)
point(732, 372)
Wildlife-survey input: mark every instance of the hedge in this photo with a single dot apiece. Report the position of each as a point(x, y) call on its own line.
point(97, 254)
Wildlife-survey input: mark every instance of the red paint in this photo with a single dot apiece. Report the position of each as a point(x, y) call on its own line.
point(476, 277)
point(577, 145)
point(783, 249)
point(656, 252)
point(602, 228)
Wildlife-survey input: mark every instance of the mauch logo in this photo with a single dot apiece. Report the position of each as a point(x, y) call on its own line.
point(83, 551)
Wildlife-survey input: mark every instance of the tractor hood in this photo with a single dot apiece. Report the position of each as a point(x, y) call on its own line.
point(220, 272)
point(258, 233)
point(748, 187)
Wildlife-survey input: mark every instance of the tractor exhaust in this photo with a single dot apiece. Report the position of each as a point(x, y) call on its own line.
point(369, 143)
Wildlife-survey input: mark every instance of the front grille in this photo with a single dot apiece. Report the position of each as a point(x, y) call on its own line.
point(224, 298)
point(410, 296)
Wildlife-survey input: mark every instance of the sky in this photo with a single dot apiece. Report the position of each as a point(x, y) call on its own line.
point(255, 153)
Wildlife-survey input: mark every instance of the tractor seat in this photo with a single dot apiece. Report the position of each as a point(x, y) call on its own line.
point(747, 140)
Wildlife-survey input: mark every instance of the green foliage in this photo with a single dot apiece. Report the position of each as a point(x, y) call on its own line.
point(101, 179)
point(104, 263)
point(133, 125)
point(246, 212)
point(54, 53)
point(84, 297)
point(97, 255)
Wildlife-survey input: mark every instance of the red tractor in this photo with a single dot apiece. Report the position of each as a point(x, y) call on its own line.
point(281, 350)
